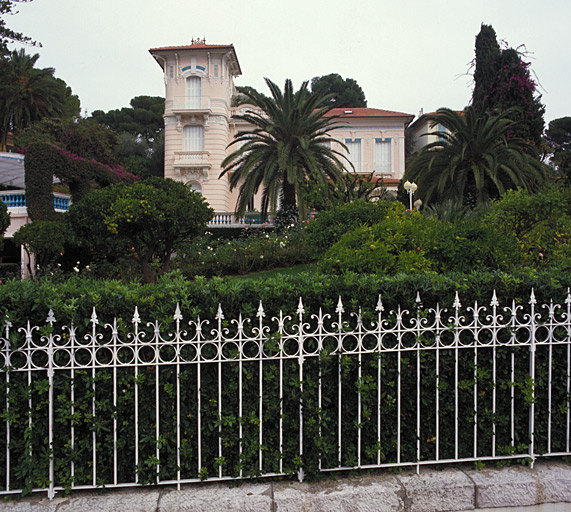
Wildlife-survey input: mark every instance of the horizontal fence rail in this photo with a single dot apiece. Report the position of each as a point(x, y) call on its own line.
point(126, 403)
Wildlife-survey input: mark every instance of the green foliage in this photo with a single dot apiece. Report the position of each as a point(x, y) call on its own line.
point(44, 161)
point(519, 230)
point(82, 137)
point(558, 136)
point(7, 35)
point(395, 244)
point(45, 239)
point(540, 222)
point(330, 225)
point(152, 217)
point(286, 147)
point(475, 160)
point(503, 86)
point(342, 92)
point(73, 300)
point(252, 252)
point(4, 221)
point(28, 94)
point(144, 119)
point(350, 187)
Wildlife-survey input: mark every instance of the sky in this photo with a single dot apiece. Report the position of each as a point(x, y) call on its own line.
point(406, 55)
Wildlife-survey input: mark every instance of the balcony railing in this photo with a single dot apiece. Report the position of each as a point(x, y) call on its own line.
point(191, 103)
point(17, 199)
point(192, 159)
point(231, 219)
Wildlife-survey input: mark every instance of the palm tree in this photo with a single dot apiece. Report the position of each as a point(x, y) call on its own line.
point(476, 158)
point(288, 145)
point(27, 94)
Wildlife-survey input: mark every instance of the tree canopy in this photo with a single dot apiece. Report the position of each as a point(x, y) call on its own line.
point(28, 94)
point(502, 81)
point(140, 146)
point(558, 136)
point(143, 119)
point(83, 137)
point(287, 146)
point(151, 217)
point(7, 35)
point(476, 159)
point(344, 92)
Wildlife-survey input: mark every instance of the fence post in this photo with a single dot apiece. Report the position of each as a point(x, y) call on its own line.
point(532, 329)
point(51, 320)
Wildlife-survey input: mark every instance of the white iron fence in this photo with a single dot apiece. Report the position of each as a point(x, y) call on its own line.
point(119, 405)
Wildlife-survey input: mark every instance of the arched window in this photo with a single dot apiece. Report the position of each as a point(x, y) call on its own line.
point(193, 91)
point(195, 185)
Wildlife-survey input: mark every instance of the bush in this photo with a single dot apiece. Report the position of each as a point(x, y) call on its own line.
point(330, 225)
point(540, 222)
point(254, 251)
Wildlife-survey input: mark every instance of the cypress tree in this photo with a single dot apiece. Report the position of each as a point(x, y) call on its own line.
point(502, 80)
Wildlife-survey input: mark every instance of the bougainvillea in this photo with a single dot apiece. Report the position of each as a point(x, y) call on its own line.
point(502, 80)
point(44, 161)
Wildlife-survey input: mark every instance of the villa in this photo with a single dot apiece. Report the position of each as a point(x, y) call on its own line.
point(199, 87)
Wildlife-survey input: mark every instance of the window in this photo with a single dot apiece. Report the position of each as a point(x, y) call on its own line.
point(441, 129)
point(193, 92)
point(195, 185)
point(216, 71)
point(354, 147)
point(193, 141)
point(383, 156)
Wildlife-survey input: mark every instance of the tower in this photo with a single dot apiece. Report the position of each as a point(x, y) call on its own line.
point(199, 84)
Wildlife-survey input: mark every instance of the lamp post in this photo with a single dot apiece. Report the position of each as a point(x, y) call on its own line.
point(411, 189)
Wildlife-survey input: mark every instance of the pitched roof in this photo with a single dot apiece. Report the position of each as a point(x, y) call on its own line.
point(366, 112)
point(197, 44)
point(201, 46)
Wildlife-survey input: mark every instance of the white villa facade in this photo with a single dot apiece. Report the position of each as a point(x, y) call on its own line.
point(199, 86)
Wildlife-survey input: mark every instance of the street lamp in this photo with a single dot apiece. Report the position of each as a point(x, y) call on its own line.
point(411, 189)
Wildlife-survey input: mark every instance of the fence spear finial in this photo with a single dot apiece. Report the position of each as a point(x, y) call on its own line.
point(339, 308)
point(94, 320)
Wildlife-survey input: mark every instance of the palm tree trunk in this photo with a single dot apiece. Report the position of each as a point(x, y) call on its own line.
point(288, 196)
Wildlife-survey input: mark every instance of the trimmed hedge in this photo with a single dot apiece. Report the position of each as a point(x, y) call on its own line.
point(75, 298)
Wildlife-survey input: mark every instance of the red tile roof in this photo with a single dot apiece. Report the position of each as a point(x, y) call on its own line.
point(366, 112)
point(201, 46)
point(198, 45)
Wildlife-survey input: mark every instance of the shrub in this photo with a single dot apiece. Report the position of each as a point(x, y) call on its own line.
point(46, 239)
point(255, 250)
point(540, 222)
point(330, 225)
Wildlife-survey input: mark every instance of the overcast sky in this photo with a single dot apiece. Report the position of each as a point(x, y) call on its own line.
point(405, 54)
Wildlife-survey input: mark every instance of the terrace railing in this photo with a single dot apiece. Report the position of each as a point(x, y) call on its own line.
point(222, 219)
point(17, 199)
point(121, 403)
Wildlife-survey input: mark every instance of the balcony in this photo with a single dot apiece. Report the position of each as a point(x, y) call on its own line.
point(231, 220)
point(191, 105)
point(17, 199)
point(192, 160)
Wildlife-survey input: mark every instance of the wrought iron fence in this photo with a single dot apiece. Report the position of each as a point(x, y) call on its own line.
point(126, 403)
